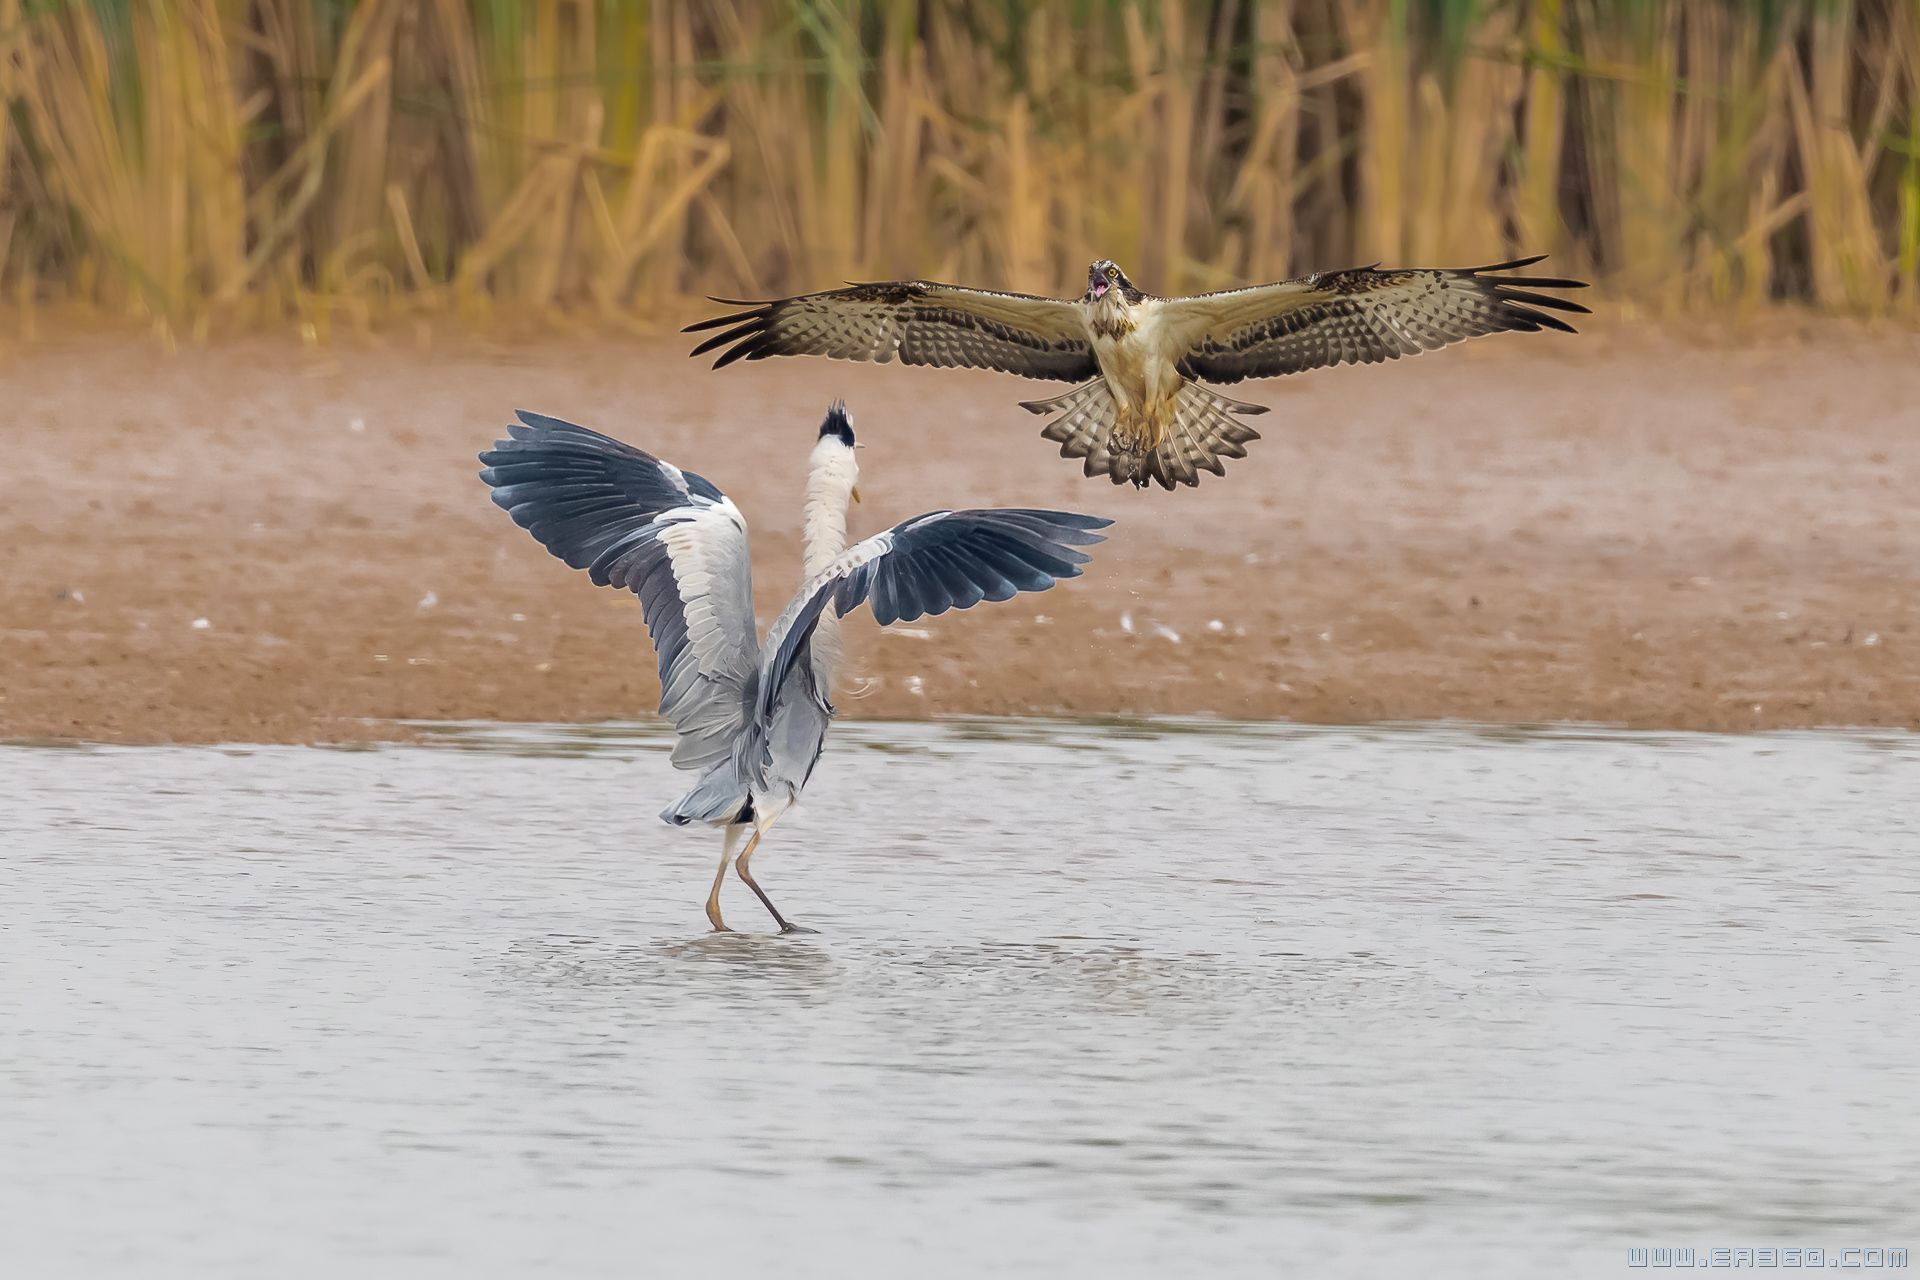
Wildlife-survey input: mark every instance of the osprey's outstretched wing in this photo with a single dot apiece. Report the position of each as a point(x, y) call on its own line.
point(1361, 316)
point(928, 565)
point(915, 322)
point(670, 537)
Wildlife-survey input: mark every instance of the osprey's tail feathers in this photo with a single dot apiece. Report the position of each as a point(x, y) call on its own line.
point(720, 796)
point(1087, 414)
point(1203, 431)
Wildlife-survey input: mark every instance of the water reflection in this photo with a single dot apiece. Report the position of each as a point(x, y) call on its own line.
point(750, 966)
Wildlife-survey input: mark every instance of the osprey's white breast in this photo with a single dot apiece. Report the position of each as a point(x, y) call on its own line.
point(1130, 346)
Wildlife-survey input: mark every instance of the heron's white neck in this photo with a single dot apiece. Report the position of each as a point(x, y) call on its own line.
point(831, 476)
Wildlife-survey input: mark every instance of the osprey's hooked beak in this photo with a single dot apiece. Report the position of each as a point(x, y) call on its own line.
point(1097, 284)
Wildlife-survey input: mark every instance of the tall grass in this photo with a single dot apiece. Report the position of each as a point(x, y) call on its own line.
point(188, 159)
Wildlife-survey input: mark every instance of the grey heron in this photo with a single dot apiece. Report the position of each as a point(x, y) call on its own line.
point(750, 715)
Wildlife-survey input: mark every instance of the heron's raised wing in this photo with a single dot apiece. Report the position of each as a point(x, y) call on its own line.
point(667, 535)
point(916, 321)
point(1360, 316)
point(928, 565)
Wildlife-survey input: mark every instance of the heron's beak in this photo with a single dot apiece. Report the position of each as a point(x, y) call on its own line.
point(856, 493)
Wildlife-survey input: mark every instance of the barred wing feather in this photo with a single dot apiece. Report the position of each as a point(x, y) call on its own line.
point(914, 321)
point(1361, 316)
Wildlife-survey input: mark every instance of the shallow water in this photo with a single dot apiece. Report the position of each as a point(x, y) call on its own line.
point(1116, 1000)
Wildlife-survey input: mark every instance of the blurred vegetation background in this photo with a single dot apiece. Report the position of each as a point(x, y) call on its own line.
point(194, 159)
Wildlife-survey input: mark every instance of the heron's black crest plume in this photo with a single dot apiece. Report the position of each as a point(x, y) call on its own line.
point(838, 424)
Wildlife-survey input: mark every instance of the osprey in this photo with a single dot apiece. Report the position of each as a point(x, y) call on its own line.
point(1141, 413)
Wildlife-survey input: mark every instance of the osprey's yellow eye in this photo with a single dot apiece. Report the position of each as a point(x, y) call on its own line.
point(1113, 273)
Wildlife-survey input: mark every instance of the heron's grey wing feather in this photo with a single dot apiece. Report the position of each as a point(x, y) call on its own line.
point(1361, 316)
point(670, 537)
point(926, 566)
point(915, 321)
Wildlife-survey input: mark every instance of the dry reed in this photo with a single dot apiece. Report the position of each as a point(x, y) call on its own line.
point(191, 159)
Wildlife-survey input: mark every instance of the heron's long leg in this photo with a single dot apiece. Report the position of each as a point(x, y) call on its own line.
point(786, 925)
point(726, 856)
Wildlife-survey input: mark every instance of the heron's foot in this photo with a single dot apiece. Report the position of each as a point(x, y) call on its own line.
point(718, 927)
point(788, 926)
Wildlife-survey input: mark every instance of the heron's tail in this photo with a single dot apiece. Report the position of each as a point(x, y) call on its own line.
point(721, 795)
point(1203, 431)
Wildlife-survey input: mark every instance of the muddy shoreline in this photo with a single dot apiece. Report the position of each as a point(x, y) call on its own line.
point(259, 541)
